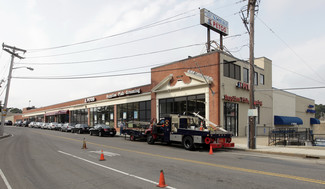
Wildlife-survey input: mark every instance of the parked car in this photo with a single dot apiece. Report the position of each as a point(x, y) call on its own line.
point(43, 125)
point(80, 128)
point(52, 125)
point(8, 122)
point(32, 124)
point(102, 130)
point(59, 126)
point(25, 123)
point(18, 123)
point(67, 127)
point(38, 124)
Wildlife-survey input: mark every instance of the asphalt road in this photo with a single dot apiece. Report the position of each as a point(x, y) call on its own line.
point(34, 158)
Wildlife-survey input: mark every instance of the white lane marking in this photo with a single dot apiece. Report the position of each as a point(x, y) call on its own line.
point(112, 169)
point(5, 179)
point(111, 154)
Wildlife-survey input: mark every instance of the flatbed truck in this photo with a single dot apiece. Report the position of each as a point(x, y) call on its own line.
point(187, 130)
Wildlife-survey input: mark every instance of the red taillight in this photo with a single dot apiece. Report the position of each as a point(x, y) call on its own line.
point(105, 129)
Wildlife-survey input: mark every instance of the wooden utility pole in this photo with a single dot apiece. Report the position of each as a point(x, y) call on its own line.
point(13, 55)
point(252, 124)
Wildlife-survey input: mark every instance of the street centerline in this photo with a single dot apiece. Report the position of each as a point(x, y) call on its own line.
point(199, 162)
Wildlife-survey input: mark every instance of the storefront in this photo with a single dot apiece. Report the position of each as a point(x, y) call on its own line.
point(215, 85)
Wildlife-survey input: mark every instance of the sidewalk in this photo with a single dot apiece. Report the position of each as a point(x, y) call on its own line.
point(262, 146)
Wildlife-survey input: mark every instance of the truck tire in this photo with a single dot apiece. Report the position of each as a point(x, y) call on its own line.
point(150, 139)
point(132, 137)
point(188, 143)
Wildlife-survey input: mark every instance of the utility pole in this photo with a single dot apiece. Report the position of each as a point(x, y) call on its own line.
point(252, 136)
point(13, 55)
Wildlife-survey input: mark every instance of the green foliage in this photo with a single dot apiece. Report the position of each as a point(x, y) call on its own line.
point(320, 110)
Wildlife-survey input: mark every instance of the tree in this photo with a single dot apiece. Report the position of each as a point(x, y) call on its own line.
point(15, 110)
point(320, 110)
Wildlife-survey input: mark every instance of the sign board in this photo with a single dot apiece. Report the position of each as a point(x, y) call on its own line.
point(214, 22)
point(252, 112)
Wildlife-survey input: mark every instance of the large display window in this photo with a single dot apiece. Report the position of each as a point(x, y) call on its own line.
point(185, 105)
point(78, 116)
point(133, 113)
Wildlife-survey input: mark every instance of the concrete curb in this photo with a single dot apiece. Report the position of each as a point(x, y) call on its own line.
point(309, 156)
point(5, 135)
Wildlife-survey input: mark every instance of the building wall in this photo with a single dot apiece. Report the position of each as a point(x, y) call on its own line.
point(302, 104)
point(284, 103)
point(228, 87)
point(209, 66)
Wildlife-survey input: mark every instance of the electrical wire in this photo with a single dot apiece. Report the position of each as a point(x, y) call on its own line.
point(115, 75)
point(110, 36)
point(294, 52)
point(4, 88)
point(132, 30)
point(108, 59)
point(288, 89)
point(107, 46)
point(289, 70)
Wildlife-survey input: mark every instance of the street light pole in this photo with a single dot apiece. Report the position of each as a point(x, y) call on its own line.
point(13, 55)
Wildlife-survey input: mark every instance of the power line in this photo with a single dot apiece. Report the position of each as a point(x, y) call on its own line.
point(114, 58)
point(132, 30)
point(288, 89)
point(114, 35)
point(116, 75)
point(298, 73)
point(103, 47)
point(294, 52)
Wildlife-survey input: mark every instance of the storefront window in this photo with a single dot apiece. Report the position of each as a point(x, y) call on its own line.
point(77, 116)
point(231, 117)
point(134, 113)
point(182, 105)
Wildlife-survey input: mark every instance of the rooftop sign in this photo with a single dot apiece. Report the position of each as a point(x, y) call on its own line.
point(214, 22)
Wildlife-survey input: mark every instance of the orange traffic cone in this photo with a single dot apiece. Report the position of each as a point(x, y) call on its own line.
point(84, 146)
point(162, 183)
point(102, 157)
point(211, 150)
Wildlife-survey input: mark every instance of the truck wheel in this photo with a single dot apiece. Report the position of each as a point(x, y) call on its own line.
point(150, 139)
point(132, 137)
point(188, 143)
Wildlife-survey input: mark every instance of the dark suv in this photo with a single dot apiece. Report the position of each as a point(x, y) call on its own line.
point(8, 122)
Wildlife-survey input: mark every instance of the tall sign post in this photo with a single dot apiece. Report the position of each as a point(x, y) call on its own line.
point(215, 23)
point(13, 55)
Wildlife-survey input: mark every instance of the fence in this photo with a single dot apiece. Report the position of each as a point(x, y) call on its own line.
point(290, 136)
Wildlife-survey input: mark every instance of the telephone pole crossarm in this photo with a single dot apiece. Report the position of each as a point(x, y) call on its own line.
point(13, 55)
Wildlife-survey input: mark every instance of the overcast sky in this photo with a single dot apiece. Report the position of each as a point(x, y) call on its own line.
point(134, 36)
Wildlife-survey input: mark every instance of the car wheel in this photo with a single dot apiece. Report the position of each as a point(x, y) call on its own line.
point(188, 143)
point(90, 133)
point(100, 134)
point(150, 139)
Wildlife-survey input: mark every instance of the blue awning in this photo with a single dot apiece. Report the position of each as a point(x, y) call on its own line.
point(314, 121)
point(286, 120)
